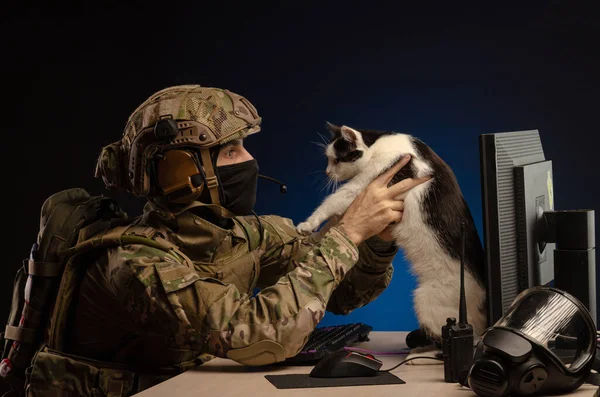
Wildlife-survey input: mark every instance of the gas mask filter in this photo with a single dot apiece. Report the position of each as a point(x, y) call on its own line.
point(544, 344)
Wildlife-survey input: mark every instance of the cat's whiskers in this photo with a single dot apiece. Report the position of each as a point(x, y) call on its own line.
point(320, 181)
point(326, 187)
point(327, 184)
point(320, 145)
point(320, 178)
point(335, 183)
point(325, 140)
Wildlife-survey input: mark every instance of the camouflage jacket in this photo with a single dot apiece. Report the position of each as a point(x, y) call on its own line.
point(141, 307)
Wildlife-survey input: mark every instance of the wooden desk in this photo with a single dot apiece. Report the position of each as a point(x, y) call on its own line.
point(226, 378)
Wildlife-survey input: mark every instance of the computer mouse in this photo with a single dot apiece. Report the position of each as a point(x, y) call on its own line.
point(343, 364)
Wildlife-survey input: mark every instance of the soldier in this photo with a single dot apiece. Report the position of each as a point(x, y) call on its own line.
point(141, 315)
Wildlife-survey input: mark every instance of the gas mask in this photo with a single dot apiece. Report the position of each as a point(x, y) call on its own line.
point(544, 344)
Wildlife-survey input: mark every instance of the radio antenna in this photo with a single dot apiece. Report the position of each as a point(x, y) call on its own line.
point(462, 314)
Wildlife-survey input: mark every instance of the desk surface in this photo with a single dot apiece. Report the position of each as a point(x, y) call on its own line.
point(226, 378)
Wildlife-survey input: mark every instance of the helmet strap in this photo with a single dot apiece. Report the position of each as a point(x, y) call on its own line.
point(212, 182)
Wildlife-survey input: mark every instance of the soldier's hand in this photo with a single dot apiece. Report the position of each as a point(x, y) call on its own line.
point(375, 208)
point(388, 233)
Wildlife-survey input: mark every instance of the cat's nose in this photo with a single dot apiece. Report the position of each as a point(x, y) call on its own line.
point(327, 172)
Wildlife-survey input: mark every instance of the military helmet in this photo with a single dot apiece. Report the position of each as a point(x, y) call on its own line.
point(166, 146)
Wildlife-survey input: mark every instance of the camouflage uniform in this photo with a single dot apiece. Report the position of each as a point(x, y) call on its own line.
point(144, 309)
point(141, 314)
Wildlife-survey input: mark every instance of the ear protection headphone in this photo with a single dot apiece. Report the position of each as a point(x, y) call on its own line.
point(163, 160)
point(178, 173)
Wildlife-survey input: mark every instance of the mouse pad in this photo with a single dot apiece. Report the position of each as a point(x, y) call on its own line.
point(303, 381)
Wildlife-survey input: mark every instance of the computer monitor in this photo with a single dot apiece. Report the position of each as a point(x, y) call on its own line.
point(527, 241)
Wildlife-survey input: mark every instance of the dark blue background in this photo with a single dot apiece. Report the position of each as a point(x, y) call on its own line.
point(443, 72)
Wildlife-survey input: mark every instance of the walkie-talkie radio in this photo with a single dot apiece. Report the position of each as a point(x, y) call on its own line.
point(457, 339)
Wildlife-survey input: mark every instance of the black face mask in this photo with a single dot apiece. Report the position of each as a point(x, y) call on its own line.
point(238, 186)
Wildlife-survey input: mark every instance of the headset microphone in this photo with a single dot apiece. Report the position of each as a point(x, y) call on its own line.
point(282, 187)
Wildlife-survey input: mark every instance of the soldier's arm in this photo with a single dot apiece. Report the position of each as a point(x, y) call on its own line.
point(364, 282)
point(370, 276)
point(215, 318)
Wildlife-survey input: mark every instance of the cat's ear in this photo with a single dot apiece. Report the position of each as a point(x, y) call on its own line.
point(333, 129)
point(349, 134)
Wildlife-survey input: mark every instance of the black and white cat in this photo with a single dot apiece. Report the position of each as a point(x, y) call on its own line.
point(430, 230)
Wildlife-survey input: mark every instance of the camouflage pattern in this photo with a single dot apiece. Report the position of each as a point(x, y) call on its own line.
point(222, 115)
point(78, 377)
point(142, 308)
point(216, 108)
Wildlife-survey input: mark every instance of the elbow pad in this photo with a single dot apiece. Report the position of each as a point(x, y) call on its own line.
point(260, 353)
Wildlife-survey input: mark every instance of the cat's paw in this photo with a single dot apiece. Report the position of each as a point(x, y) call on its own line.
point(432, 351)
point(306, 227)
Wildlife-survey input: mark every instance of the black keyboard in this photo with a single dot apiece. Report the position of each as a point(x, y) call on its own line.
point(326, 340)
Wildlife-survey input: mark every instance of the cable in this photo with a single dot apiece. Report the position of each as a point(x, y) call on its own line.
point(407, 360)
point(358, 350)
